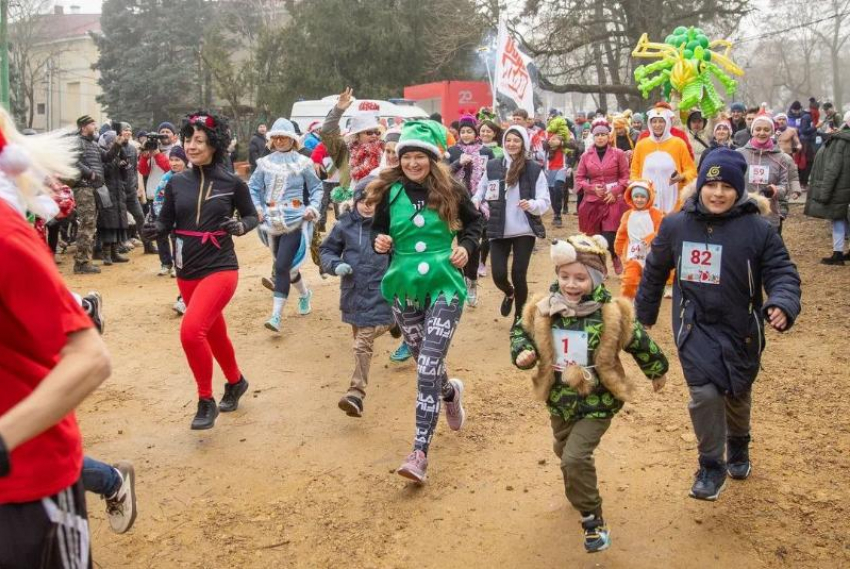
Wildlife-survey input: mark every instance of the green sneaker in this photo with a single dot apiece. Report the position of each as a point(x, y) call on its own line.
point(273, 323)
point(304, 306)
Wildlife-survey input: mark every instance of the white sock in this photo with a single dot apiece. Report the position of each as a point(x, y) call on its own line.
point(301, 286)
point(279, 301)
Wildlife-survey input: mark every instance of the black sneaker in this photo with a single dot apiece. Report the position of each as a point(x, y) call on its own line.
point(93, 305)
point(596, 534)
point(85, 269)
point(738, 457)
point(395, 331)
point(507, 306)
point(352, 405)
point(205, 417)
point(232, 393)
point(557, 222)
point(709, 481)
point(836, 259)
point(150, 248)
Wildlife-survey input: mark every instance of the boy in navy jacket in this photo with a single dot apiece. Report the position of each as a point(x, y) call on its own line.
point(724, 252)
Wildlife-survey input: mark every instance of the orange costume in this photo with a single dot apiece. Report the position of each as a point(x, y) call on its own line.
point(637, 230)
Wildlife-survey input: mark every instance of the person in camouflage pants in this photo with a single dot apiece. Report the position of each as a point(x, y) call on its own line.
point(574, 336)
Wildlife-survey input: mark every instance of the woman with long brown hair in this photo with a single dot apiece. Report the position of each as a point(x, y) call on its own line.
point(516, 193)
point(419, 210)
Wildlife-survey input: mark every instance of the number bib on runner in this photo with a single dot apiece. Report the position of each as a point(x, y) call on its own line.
point(491, 194)
point(637, 252)
point(701, 262)
point(570, 347)
point(758, 174)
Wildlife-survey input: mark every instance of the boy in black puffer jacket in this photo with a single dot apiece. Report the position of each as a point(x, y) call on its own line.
point(347, 252)
point(723, 252)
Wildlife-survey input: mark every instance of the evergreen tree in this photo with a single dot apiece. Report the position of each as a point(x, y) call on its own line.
point(150, 59)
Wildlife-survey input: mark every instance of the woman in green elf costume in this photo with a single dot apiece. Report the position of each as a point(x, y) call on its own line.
point(425, 220)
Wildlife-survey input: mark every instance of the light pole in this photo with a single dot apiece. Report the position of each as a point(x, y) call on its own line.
point(4, 54)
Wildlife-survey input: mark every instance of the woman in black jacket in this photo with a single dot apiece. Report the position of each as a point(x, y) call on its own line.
point(112, 223)
point(199, 208)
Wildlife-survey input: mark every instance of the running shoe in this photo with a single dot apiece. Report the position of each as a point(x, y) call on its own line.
point(668, 291)
point(121, 507)
point(482, 270)
point(93, 304)
point(232, 393)
point(738, 457)
point(709, 481)
point(304, 305)
point(205, 417)
point(164, 271)
point(415, 467)
point(507, 306)
point(401, 354)
point(596, 534)
point(273, 323)
point(471, 293)
point(179, 306)
point(268, 283)
point(455, 415)
point(352, 405)
point(173, 273)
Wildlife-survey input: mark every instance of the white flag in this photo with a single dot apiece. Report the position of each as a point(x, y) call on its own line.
point(512, 78)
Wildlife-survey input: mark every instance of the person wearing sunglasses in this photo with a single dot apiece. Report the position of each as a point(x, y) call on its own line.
point(287, 194)
point(199, 207)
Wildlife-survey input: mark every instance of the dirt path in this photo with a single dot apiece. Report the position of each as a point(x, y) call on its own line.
point(290, 481)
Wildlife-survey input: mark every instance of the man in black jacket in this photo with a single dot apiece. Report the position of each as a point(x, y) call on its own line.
point(257, 147)
point(90, 165)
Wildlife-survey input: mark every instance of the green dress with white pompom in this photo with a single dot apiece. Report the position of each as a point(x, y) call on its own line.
point(420, 269)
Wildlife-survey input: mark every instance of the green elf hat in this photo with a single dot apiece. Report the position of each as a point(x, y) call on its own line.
point(424, 135)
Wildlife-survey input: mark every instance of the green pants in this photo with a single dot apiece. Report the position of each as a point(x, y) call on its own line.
point(574, 444)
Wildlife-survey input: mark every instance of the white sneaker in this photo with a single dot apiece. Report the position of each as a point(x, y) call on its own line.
point(163, 271)
point(121, 508)
point(173, 273)
point(455, 415)
point(179, 306)
point(668, 291)
point(471, 293)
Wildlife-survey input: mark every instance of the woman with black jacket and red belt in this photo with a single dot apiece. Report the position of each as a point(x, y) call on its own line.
point(199, 207)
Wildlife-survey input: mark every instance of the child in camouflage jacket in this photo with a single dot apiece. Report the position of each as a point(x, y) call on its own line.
point(574, 335)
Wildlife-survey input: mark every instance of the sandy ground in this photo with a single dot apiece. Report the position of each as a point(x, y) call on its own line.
point(290, 481)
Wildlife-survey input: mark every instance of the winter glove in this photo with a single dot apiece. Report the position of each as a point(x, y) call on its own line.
point(150, 231)
point(233, 227)
point(343, 269)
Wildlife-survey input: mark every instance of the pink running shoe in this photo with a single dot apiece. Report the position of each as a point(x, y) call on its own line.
point(455, 415)
point(415, 467)
point(618, 265)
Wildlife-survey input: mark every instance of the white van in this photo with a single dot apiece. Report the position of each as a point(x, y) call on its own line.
point(390, 113)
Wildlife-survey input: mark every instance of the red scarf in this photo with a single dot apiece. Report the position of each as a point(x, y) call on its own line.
point(365, 157)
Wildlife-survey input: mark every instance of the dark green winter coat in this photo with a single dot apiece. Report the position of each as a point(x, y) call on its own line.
point(829, 182)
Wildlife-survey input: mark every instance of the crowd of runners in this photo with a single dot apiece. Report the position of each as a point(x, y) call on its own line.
point(673, 208)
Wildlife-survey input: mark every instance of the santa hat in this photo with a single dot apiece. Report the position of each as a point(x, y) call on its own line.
point(424, 135)
point(13, 158)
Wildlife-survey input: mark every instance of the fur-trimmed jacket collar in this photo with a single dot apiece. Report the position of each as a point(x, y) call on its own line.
point(617, 332)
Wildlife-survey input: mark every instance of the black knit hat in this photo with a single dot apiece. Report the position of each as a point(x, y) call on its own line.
point(84, 120)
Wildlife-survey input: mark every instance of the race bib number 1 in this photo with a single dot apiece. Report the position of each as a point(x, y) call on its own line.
point(570, 347)
point(701, 262)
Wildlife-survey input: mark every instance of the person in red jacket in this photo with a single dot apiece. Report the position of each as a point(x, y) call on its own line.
point(52, 358)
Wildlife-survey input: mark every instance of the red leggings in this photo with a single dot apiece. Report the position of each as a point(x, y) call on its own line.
point(203, 332)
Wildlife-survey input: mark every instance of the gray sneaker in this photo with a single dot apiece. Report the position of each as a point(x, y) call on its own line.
point(121, 508)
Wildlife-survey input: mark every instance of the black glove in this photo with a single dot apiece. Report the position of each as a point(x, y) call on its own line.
point(150, 231)
point(5, 467)
point(233, 227)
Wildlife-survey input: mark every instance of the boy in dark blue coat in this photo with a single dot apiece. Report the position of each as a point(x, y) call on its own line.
point(723, 252)
point(347, 252)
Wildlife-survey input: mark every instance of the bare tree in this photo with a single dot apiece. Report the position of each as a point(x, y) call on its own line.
point(569, 37)
point(29, 50)
point(833, 32)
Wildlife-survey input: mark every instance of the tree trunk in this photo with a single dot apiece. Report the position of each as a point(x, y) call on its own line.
point(837, 87)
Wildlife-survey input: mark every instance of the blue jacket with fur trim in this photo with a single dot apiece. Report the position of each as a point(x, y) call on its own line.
point(721, 262)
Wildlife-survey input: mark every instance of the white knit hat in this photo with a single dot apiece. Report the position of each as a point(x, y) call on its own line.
point(282, 127)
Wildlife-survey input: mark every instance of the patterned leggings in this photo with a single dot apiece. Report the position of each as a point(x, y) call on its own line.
point(428, 333)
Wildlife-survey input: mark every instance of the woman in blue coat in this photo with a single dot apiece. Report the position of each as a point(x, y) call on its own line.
point(287, 194)
point(724, 252)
